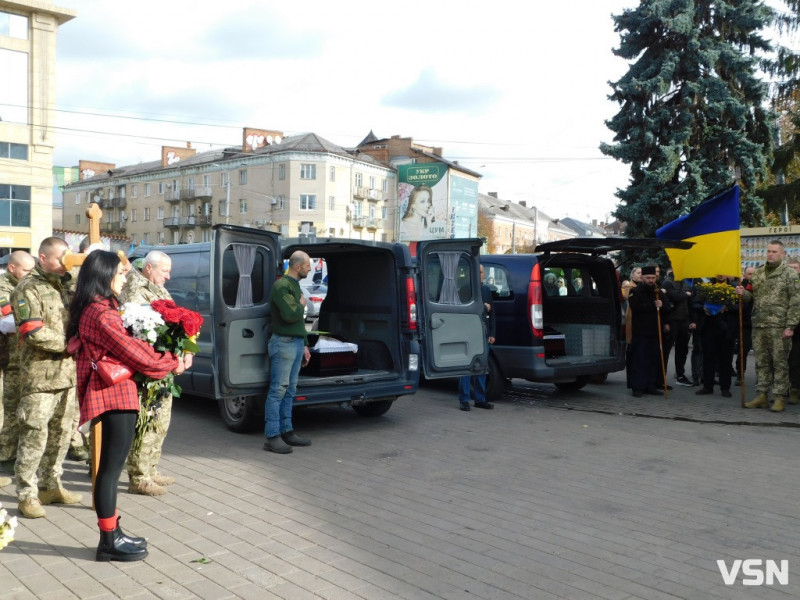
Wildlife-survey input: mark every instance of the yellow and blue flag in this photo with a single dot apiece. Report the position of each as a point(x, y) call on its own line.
point(714, 228)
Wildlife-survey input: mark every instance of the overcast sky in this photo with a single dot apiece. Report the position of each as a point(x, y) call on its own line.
point(515, 91)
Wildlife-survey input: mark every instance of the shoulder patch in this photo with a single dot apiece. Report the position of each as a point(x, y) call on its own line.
point(23, 310)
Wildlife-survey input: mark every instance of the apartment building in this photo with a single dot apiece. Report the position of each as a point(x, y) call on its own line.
point(28, 30)
point(290, 185)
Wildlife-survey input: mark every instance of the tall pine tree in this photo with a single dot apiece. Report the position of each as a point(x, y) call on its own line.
point(692, 117)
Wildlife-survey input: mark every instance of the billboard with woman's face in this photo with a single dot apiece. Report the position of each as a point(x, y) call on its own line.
point(422, 199)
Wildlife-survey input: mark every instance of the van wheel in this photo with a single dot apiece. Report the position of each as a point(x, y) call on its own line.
point(375, 408)
point(573, 386)
point(599, 378)
point(242, 413)
point(495, 382)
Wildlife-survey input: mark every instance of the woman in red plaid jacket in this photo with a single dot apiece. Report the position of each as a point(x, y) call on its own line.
point(95, 320)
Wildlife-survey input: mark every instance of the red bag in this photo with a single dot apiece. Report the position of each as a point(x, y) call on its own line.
point(111, 371)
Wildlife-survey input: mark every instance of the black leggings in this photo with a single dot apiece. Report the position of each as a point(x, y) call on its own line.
point(119, 427)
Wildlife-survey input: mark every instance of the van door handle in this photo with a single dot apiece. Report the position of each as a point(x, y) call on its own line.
point(247, 333)
point(436, 322)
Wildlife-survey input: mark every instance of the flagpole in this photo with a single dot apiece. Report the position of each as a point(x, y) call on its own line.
point(661, 343)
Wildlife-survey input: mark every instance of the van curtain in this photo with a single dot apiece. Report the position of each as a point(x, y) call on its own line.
point(245, 255)
point(449, 262)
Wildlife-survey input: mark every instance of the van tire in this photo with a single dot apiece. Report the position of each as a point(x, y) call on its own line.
point(495, 381)
point(599, 378)
point(573, 386)
point(376, 408)
point(242, 414)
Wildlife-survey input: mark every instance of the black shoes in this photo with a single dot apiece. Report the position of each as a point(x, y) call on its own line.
point(637, 393)
point(726, 393)
point(291, 438)
point(114, 545)
point(682, 380)
point(653, 392)
point(704, 391)
point(464, 406)
point(277, 445)
point(486, 405)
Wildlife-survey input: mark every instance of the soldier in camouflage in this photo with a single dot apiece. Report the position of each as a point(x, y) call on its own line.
point(144, 285)
point(48, 410)
point(776, 312)
point(20, 263)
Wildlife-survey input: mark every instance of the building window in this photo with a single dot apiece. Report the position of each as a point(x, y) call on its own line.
point(12, 150)
point(281, 202)
point(308, 201)
point(385, 185)
point(384, 211)
point(243, 177)
point(147, 190)
point(356, 209)
point(206, 181)
point(223, 209)
point(161, 188)
point(176, 212)
point(223, 179)
point(242, 207)
point(78, 197)
point(372, 211)
point(332, 175)
point(134, 191)
point(372, 182)
point(331, 203)
point(160, 213)
point(15, 205)
point(190, 183)
point(78, 219)
point(359, 179)
point(146, 213)
point(133, 215)
point(145, 238)
point(14, 91)
point(308, 171)
point(15, 26)
point(282, 171)
point(206, 235)
point(160, 237)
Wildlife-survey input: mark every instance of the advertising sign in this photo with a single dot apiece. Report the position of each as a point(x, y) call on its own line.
point(422, 200)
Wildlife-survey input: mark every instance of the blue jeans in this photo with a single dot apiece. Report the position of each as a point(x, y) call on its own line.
point(285, 358)
point(478, 385)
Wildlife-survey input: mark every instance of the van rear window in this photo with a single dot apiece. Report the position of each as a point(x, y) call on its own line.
point(235, 291)
point(448, 278)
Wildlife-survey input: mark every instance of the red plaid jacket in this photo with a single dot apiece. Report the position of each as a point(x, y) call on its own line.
point(101, 332)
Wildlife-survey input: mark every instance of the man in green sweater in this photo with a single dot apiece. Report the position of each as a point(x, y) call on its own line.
point(288, 350)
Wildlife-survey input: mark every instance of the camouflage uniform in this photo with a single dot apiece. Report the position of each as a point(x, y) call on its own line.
point(48, 410)
point(9, 376)
point(143, 464)
point(776, 307)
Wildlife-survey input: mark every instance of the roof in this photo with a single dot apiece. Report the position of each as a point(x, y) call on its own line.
point(583, 229)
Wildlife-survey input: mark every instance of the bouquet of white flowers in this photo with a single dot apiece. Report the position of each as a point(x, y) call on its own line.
point(7, 527)
point(142, 321)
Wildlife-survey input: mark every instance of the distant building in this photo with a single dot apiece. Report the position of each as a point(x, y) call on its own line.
point(293, 185)
point(582, 229)
point(28, 30)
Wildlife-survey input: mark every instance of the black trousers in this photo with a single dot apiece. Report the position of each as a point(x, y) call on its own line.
point(119, 427)
point(717, 353)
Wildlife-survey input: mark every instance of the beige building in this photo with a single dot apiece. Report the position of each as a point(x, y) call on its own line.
point(28, 30)
point(291, 185)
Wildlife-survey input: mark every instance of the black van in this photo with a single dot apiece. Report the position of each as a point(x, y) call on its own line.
point(404, 311)
point(558, 313)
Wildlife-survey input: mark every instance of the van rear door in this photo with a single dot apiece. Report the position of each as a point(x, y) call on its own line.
point(451, 315)
point(244, 266)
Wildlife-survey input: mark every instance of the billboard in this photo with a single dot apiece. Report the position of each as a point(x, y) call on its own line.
point(422, 201)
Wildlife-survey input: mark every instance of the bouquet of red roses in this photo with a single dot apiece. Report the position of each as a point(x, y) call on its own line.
point(168, 328)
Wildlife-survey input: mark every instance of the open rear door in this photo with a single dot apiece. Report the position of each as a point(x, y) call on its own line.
point(449, 294)
point(244, 265)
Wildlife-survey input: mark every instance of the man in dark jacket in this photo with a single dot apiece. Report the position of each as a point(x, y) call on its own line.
point(718, 327)
point(475, 385)
point(645, 303)
point(679, 294)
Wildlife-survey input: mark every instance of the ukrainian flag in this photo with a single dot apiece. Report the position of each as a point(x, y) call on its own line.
point(714, 228)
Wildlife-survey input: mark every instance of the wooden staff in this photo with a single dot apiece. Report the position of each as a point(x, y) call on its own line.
point(741, 351)
point(661, 343)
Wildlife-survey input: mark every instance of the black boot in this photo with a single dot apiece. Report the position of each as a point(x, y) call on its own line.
point(114, 547)
point(136, 541)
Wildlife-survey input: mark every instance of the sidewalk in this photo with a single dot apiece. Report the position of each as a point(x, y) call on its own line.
point(586, 495)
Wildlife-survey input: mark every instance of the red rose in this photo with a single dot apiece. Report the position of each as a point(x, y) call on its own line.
point(174, 314)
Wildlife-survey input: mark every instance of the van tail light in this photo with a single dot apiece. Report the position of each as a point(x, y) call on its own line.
point(411, 302)
point(535, 314)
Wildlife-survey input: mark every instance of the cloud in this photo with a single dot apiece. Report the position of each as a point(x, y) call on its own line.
point(431, 93)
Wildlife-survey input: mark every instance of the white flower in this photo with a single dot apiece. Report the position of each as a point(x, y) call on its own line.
point(142, 321)
point(6, 528)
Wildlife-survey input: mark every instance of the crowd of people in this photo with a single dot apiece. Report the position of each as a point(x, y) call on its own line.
point(722, 318)
point(56, 326)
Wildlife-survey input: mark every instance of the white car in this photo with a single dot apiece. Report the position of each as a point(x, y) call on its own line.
point(314, 294)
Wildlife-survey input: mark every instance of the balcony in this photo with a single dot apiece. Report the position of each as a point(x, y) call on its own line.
point(118, 203)
point(187, 221)
point(374, 223)
point(172, 195)
point(359, 222)
point(360, 191)
point(196, 193)
point(172, 222)
point(204, 221)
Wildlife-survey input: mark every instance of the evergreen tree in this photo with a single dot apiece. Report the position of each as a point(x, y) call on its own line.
point(692, 117)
